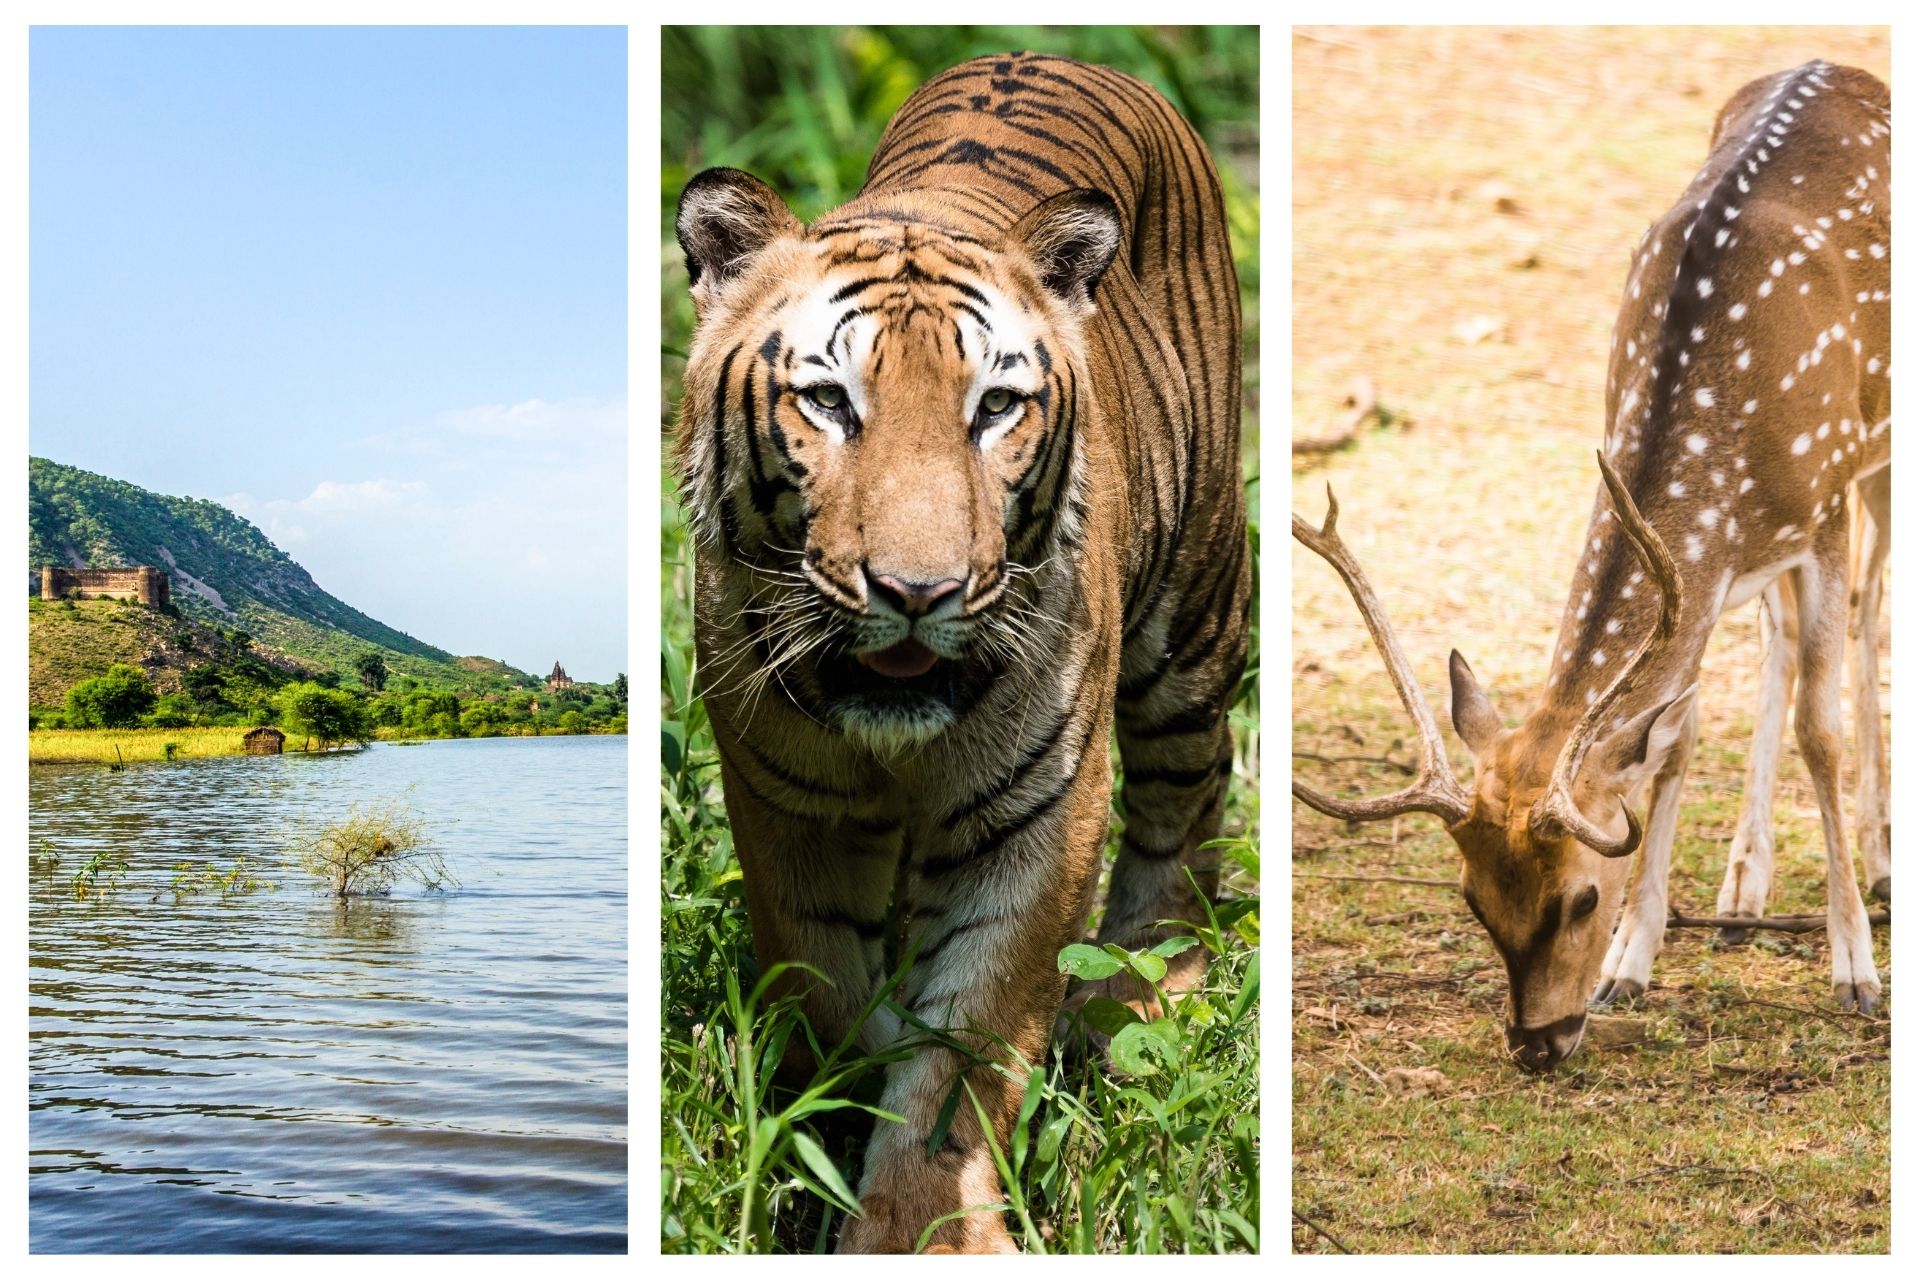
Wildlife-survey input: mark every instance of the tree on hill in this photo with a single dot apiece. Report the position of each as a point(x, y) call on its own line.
point(620, 687)
point(373, 670)
point(329, 716)
point(115, 700)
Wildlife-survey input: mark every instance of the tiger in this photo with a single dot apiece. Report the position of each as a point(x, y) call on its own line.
point(962, 467)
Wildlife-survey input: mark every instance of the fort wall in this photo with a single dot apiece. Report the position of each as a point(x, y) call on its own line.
point(146, 584)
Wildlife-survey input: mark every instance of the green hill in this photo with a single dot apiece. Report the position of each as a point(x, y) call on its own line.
point(226, 576)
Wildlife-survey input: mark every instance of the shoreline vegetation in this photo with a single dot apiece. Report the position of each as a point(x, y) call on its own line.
point(153, 746)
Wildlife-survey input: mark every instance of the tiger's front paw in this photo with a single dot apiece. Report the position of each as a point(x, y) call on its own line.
point(894, 1224)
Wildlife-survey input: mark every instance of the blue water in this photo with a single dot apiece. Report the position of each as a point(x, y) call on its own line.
point(430, 1071)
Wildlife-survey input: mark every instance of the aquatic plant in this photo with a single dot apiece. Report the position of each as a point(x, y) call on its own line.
point(236, 879)
point(374, 847)
point(99, 876)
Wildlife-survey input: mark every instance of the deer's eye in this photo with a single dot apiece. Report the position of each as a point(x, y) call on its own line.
point(997, 401)
point(829, 396)
point(1584, 904)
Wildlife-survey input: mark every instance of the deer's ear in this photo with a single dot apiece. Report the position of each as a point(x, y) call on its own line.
point(1474, 718)
point(725, 218)
point(1638, 748)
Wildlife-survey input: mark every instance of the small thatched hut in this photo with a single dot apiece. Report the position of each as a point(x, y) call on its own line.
point(265, 741)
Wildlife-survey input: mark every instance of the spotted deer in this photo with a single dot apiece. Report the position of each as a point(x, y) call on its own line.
point(1748, 388)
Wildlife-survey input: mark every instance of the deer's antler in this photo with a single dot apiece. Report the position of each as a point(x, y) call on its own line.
point(1434, 790)
point(1555, 811)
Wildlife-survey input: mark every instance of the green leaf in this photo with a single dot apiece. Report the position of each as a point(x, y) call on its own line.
point(1108, 1016)
point(1088, 962)
point(1141, 1049)
point(670, 756)
point(1052, 1134)
point(825, 1170)
point(944, 1121)
point(1174, 946)
point(1147, 965)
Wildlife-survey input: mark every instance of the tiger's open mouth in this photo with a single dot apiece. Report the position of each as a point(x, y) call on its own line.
point(903, 661)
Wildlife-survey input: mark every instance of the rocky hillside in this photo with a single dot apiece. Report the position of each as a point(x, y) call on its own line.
point(225, 573)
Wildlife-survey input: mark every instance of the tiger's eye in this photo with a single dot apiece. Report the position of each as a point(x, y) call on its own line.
point(997, 401)
point(827, 396)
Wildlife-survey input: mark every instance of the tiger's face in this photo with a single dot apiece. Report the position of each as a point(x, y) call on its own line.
point(879, 436)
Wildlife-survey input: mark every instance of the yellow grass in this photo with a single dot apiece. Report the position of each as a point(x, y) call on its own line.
point(98, 746)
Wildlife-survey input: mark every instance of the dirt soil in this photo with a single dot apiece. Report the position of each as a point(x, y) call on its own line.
point(1464, 205)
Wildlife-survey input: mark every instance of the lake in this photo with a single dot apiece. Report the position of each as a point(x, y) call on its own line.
point(278, 1071)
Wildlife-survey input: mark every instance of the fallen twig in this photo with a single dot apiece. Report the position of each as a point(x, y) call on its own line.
point(1320, 875)
point(1362, 406)
point(1330, 1238)
point(1389, 761)
point(1776, 924)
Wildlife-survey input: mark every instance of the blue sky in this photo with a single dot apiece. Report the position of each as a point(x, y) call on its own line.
point(365, 285)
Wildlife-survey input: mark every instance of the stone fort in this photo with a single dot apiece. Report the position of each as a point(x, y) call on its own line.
point(144, 583)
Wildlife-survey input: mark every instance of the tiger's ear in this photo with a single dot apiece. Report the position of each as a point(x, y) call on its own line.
point(726, 217)
point(1072, 239)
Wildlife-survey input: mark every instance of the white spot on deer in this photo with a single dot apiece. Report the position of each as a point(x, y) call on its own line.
point(1805, 286)
point(1675, 489)
point(1720, 237)
point(1718, 478)
point(1705, 285)
point(1695, 548)
point(1836, 455)
point(1709, 516)
point(1873, 365)
point(1613, 626)
point(1801, 443)
point(1738, 311)
point(1779, 267)
point(1821, 434)
point(1785, 531)
point(1877, 250)
point(1598, 657)
point(1593, 696)
point(1796, 257)
point(1749, 406)
point(1733, 529)
point(1742, 360)
point(1799, 178)
point(1846, 215)
point(1766, 288)
point(1699, 334)
point(1697, 443)
point(1786, 383)
point(1633, 347)
point(1746, 483)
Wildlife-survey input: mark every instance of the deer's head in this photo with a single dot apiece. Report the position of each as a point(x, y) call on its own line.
point(1546, 829)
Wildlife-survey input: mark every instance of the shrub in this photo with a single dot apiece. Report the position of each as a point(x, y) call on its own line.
point(373, 848)
point(330, 716)
point(115, 700)
point(170, 711)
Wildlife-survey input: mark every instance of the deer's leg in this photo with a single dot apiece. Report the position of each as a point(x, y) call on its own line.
point(1874, 822)
point(994, 901)
point(1817, 722)
point(1750, 863)
point(1628, 968)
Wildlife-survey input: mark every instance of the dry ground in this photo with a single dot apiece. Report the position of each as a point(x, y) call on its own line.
point(1464, 205)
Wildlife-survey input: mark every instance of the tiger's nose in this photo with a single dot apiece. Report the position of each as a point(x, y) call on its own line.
point(914, 599)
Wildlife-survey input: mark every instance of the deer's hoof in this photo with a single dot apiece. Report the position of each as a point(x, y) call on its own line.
point(1857, 995)
point(1883, 889)
point(1735, 937)
point(1617, 991)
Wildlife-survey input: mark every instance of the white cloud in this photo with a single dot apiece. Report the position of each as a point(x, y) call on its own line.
point(570, 423)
